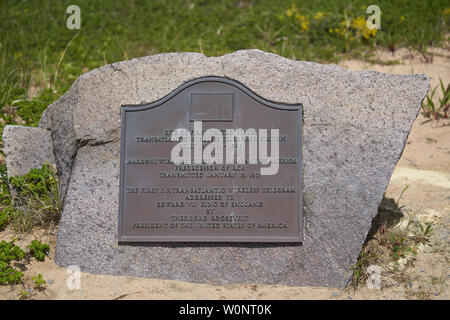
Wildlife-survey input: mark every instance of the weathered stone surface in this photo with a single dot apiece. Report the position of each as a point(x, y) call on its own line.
point(88, 237)
point(89, 113)
point(27, 148)
point(355, 127)
point(65, 143)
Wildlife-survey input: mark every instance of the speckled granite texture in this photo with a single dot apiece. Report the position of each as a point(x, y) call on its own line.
point(27, 148)
point(355, 128)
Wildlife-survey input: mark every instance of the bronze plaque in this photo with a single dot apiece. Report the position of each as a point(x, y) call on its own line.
point(224, 200)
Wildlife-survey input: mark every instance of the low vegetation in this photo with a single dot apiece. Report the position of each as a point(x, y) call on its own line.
point(35, 200)
point(26, 202)
point(38, 281)
point(392, 244)
point(441, 108)
point(10, 252)
point(5, 198)
point(38, 250)
point(13, 260)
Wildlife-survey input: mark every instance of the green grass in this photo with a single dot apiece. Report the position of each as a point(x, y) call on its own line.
point(440, 110)
point(38, 51)
point(36, 200)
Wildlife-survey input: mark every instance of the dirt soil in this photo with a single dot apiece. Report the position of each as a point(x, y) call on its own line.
point(424, 167)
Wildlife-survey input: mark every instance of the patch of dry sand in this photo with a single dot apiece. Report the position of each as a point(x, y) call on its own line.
point(407, 62)
point(424, 166)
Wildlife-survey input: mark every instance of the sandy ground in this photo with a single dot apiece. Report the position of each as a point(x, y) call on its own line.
point(424, 167)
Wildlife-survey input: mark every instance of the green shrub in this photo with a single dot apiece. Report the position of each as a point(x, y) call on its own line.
point(23, 294)
point(10, 252)
point(38, 281)
point(39, 250)
point(4, 218)
point(5, 198)
point(9, 275)
point(37, 200)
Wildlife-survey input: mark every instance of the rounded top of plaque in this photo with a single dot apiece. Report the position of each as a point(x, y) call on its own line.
point(213, 83)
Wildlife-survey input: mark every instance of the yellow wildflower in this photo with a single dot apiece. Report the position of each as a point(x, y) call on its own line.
point(319, 15)
point(304, 21)
point(290, 12)
point(305, 25)
point(359, 23)
point(368, 33)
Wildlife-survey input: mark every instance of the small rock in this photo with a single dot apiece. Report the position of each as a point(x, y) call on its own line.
point(33, 142)
point(50, 281)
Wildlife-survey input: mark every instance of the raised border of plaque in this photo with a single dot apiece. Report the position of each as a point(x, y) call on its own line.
point(217, 116)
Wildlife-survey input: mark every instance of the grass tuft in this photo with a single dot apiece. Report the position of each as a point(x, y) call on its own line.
point(35, 201)
point(439, 110)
